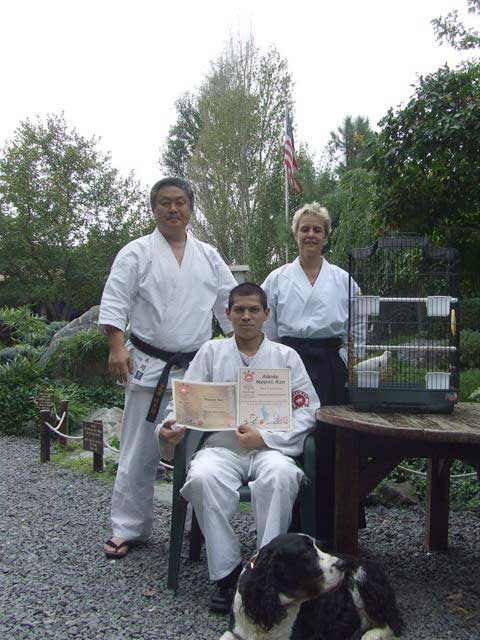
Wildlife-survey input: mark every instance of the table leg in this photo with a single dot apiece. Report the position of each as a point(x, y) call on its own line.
point(325, 453)
point(347, 491)
point(438, 489)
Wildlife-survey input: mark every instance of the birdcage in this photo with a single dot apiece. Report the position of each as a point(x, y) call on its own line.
point(403, 327)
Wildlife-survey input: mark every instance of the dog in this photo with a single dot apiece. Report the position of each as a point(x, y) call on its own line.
point(292, 590)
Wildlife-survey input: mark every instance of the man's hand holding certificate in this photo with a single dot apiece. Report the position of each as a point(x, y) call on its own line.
point(261, 399)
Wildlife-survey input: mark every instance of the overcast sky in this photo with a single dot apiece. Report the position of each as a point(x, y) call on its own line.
point(115, 68)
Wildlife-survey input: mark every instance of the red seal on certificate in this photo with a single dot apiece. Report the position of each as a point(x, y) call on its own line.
point(300, 399)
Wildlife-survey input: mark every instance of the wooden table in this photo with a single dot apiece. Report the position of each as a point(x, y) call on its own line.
point(370, 445)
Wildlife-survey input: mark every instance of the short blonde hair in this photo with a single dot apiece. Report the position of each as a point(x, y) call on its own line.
point(313, 209)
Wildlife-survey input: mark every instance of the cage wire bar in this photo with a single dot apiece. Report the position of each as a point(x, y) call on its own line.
point(403, 326)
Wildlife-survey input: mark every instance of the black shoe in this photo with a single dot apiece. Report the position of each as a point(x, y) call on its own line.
point(223, 592)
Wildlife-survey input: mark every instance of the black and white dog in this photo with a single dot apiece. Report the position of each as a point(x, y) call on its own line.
point(291, 590)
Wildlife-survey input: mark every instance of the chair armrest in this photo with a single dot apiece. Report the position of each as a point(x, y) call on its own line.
point(309, 462)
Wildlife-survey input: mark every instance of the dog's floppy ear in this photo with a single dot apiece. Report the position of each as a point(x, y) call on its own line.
point(259, 591)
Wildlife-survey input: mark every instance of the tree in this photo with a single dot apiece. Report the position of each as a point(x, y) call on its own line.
point(183, 136)
point(58, 196)
point(353, 204)
point(228, 141)
point(350, 144)
point(453, 31)
point(427, 161)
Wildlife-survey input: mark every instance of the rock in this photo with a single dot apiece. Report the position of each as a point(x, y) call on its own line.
point(111, 420)
point(88, 320)
point(396, 493)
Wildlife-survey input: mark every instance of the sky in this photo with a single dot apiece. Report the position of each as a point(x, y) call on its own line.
point(116, 68)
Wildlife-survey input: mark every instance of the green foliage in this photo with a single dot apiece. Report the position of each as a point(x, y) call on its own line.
point(426, 160)
point(475, 395)
point(183, 136)
point(469, 381)
point(19, 382)
point(352, 203)
point(470, 310)
point(464, 492)
point(350, 145)
point(23, 322)
point(10, 353)
point(470, 349)
point(102, 395)
point(65, 212)
point(77, 353)
point(227, 141)
point(453, 31)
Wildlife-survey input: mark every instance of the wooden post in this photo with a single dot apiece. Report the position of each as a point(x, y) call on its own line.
point(93, 441)
point(45, 416)
point(64, 427)
point(438, 503)
point(347, 491)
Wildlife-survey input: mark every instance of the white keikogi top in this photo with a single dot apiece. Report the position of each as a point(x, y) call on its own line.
point(220, 360)
point(300, 310)
point(166, 304)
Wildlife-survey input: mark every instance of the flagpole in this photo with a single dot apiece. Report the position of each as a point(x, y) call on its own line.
point(286, 194)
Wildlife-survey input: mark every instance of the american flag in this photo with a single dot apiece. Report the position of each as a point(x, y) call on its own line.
point(290, 159)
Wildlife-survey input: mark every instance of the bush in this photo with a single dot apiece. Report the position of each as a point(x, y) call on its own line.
point(23, 322)
point(470, 349)
point(470, 314)
point(469, 381)
point(19, 381)
point(81, 355)
point(10, 353)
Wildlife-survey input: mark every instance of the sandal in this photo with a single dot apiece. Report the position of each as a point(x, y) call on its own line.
point(115, 555)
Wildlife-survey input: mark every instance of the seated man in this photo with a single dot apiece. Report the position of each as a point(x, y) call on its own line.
point(230, 458)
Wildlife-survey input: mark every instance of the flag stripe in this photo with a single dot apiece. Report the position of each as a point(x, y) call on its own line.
point(289, 152)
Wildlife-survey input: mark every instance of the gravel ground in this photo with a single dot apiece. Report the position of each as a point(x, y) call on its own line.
point(56, 583)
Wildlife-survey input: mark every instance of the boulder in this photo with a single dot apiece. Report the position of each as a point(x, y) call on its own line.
point(111, 420)
point(394, 493)
point(88, 320)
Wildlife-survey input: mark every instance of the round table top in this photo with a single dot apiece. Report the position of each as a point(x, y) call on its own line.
point(461, 426)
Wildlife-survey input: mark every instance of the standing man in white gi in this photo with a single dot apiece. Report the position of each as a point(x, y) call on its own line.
point(229, 458)
point(164, 286)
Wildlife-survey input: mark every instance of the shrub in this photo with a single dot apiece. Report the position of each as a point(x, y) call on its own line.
point(19, 380)
point(23, 322)
point(470, 349)
point(470, 314)
point(10, 353)
point(82, 354)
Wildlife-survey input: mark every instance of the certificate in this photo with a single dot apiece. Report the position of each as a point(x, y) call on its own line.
point(208, 406)
point(265, 398)
point(261, 398)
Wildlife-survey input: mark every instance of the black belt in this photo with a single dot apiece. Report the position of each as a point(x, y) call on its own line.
point(323, 343)
point(181, 360)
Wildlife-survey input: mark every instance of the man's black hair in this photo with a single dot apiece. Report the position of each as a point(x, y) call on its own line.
point(247, 289)
point(180, 183)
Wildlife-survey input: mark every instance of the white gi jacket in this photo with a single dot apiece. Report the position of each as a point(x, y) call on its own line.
point(166, 304)
point(300, 310)
point(219, 361)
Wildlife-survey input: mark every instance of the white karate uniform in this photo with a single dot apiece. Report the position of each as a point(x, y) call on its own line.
point(300, 310)
point(170, 307)
point(218, 470)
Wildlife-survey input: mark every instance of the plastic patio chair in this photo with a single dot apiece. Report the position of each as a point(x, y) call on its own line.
point(304, 510)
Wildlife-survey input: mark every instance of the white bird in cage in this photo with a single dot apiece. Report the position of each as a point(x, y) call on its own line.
point(374, 364)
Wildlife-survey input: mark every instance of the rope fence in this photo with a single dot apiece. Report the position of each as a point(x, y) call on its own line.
point(94, 441)
point(92, 437)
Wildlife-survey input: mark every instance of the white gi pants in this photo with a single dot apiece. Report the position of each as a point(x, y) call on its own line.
point(132, 498)
point(212, 484)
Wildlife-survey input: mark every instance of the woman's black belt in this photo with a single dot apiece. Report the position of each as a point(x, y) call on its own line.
point(181, 360)
point(323, 343)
